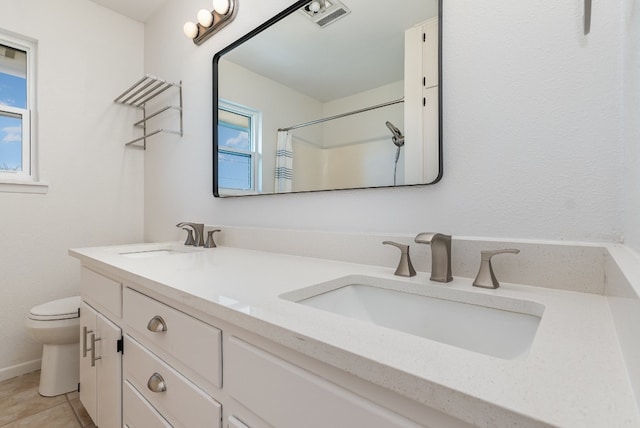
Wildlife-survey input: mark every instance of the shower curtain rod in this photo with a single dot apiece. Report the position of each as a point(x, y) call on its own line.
point(338, 116)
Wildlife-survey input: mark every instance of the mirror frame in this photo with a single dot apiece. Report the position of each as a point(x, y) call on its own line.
point(273, 20)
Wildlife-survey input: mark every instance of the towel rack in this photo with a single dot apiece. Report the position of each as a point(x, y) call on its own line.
point(139, 94)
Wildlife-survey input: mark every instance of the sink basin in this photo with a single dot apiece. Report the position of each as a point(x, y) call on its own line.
point(147, 254)
point(485, 323)
point(156, 251)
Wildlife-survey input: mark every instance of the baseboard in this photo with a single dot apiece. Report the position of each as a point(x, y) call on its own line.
point(19, 369)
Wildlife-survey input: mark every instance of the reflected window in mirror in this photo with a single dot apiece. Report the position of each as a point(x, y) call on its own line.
point(239, 144)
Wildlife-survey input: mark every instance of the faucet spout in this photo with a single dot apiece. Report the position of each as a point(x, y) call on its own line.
point(198, 229)
point(440, 255)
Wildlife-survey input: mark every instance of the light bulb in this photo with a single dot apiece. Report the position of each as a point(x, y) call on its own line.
point(190, 30)
point(205, 18)
point(314, 6)
point(221, 6)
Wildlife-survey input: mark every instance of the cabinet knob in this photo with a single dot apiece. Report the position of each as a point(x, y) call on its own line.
point(157, 325)
point(156, 383)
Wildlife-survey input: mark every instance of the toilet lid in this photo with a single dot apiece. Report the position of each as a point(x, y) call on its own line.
point(60, 309)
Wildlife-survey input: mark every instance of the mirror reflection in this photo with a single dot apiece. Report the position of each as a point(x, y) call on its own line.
point(330, 95)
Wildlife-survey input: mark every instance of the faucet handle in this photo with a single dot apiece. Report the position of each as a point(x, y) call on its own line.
point(190, 240)
point(405, 268)
point(487, 254)
point(210, 242)
point(485, 277)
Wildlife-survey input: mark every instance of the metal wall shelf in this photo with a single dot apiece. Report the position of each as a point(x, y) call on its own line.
point(139, 94)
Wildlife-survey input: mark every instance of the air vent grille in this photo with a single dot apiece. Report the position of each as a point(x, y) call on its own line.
point(329, 11)
point(326, 20)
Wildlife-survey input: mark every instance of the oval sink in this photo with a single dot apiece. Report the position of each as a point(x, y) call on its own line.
point(492, 325)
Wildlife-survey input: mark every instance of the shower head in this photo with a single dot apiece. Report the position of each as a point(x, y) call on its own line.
point(398, 138)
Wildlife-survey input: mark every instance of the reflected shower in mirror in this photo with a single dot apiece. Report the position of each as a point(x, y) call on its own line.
point(330, 95)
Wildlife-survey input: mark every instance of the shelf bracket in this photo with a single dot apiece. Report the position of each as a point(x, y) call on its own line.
point(139, 94)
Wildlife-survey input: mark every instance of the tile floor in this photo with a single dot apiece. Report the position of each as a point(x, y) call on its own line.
point(22, 407)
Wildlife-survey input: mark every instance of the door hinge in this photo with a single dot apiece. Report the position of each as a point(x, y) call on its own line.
point(78, 386)
point(78, 312)
point(424, 37)
point(120, 345)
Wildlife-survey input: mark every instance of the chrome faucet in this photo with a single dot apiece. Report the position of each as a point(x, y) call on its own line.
point(440, 255)
point(198, 229)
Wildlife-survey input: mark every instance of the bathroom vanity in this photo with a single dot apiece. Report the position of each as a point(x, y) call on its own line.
point(219, 338)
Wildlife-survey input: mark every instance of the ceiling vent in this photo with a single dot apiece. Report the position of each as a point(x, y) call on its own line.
point(324, 12)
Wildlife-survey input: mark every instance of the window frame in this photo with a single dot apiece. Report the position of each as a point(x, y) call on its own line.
point(255, 126)
point(25, 181)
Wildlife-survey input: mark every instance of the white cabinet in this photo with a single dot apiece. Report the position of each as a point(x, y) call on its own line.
point(176, 398)
point(421, 114)
point(287, 396)
point(100, 367)
point(102, 293)
point(430, 53)
point(190, 345)
point(171, 373)
point(137, 412)
point(173, 361)
point(233, 422)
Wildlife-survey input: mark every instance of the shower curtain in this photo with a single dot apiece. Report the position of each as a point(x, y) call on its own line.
point(284, 162)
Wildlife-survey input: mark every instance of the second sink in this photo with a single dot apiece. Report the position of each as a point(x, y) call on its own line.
point(492, 325)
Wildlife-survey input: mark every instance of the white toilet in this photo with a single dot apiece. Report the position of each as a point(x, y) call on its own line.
point(56, 325)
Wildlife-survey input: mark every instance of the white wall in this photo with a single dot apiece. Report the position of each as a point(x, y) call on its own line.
point(86, 57)
point(533, 146)
point(359, 151)
point(631, 40)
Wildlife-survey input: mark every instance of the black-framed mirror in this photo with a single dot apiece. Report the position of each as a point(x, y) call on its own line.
point(330, 95)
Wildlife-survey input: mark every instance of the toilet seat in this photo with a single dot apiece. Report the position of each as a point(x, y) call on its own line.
point(60, 309)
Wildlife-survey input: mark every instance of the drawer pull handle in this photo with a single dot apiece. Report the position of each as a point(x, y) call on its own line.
point(156, 383)
point(85, 348)
point(93, 350)
point(157, 325)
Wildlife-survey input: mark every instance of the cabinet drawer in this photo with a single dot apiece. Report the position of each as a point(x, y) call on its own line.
point(101, 292)
point(194, 344)
point(287, 396)
point(182, 403)
point(137, 412)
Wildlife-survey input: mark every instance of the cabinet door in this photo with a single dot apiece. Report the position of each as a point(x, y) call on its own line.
point(87, 372)
point(108, 374)
point(100, 368)
point(430, 53)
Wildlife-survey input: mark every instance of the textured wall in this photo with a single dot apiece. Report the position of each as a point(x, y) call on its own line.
point(631, 28)
point(86, 57)
point(533, 143)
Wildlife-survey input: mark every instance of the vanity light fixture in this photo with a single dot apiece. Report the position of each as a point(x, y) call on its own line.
point(210, 22)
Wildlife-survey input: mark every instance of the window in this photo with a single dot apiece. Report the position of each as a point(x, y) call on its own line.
point(239, 148)
point(16, 103)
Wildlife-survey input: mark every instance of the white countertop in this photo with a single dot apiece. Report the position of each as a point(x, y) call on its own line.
point(574, 375)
